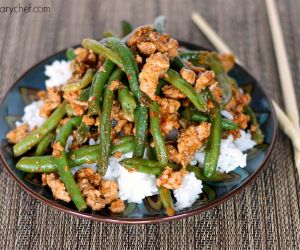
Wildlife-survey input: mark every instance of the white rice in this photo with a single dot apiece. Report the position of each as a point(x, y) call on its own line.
point(58, 72)
point(133, 186)
point(32, 115)
point(227, 114)
point(245, 142)
point(231, 156)
point(188, 192)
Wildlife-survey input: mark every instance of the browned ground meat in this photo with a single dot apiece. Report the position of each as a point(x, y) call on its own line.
point(227, 60)
point(191, 139)
point(155, 67)
point(87, 120)
point(205, 79)
point(57, 149)
point(78, 107)
point(172, 92)
point(120, 121)
point(117, 206)
point(85, 59)
point(188, 75)
point(170, 179)
point(19, 133)
point(147, 42)
point(57, 186)
point(88, 183)
point(169, 119)
point(109, 190)
point(51, 102)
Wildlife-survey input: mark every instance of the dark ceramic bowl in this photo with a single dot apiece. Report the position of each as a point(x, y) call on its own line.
point(24, 91)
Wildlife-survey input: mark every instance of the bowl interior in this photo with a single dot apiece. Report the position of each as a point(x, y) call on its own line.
point(24, 91)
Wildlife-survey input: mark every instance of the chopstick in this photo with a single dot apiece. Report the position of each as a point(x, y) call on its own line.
point(285, 74)
point(221, 46)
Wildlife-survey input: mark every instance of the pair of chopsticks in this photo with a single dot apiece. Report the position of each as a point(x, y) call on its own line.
point(289, 122)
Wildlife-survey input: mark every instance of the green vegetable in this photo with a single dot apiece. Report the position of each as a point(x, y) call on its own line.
point(166, 198)
point(70, 54)
point(126, 99)
point(63, 167)
point(130, 66)
point(257, 135)
point(214, 141)
point(82, 132)
point(84, 82)
point(44, 144)
point(97, 86)
point(98, 48)
point(141, 131)
point(160, 146)
point(224, 81)
point(36, 136)
point(105, 124)
point(86, 154)
point(197, 99)
point(225, 123)
point(126, 28)
point(84, 94)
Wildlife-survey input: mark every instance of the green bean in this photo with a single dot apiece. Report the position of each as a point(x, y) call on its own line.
point(70, 54)
point(109, 34)
point(226, 124)
point(217, 176)
point(212, 60)
point(173, 77)
point(126, 28)
point(97, 86)
point(84, 155)
point(160, 24)
point(160, 146)
point(130, 66)
point(124, 147)
point(37, 164)
point(214, 141)
point(36, 136)
point(141, 131)
point(84, 82)
point(98, 48)
point(126, 99)
point(44, 144)
point(161, 83)
point(166, 198)
point(125, 138)
point(177, 63)
point(105, 124)
point(69, 110)
point(130, 162)
point(257, 134)
point(63, 167)
point(190, 56)
point(82, 132)
point(84, 94)
point(144, 169)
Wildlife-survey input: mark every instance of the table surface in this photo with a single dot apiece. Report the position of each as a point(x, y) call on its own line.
point(265, 215)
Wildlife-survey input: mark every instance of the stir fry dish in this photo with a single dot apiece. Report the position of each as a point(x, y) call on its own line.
point(123, 119)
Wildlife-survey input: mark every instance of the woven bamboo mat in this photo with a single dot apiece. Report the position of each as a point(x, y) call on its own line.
point(264, 216)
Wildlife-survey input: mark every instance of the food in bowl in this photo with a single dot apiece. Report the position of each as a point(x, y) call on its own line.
point(126, 119)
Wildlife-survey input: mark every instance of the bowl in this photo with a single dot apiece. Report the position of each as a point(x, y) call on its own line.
point(24, 91)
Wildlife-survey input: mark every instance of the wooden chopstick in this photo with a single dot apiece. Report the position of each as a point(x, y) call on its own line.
point(285, 75)
point(221, 46)
point(286, 80)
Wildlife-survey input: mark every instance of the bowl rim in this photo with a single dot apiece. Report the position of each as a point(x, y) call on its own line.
point(150, 219)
